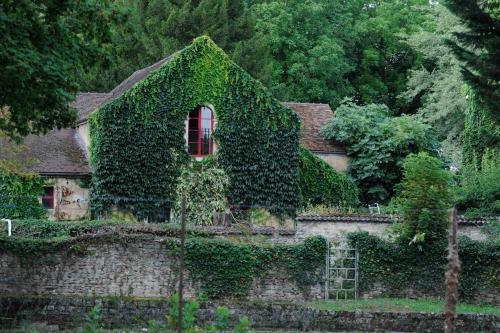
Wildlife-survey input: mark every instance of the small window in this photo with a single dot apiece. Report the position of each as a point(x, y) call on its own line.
point(48, 197)
point(200, 132)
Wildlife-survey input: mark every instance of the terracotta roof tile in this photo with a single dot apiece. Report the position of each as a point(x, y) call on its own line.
point(314, 117)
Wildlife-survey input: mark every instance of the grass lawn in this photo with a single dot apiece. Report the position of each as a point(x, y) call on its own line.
point(400, 305)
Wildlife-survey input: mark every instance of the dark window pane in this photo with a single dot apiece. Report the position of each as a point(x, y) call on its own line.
point(48, 198)
point(194, 113)
point(193, 148)
point(193, 124)
point(193, 136)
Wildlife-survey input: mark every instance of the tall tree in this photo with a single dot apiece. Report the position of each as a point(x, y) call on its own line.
point(43, 46)
point(435, 89)
point(157, 28)
point(479, 49)
point(308, 42)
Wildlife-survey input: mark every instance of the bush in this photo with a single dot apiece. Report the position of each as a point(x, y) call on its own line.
point(424, 199)
point(479, 190)
point(321, 184)
point(377, 145)
point(204, 185)
point(19, 193)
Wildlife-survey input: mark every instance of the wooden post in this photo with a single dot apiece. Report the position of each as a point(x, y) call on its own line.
point(181, 263)
point(450, 309)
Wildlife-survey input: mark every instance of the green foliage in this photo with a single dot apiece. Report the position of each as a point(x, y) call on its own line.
point(227, 269)
point(433, 89)
point(377, 145)
point(204, 187)
point(157, 28)
point(256, 136)
point(478, 192)
point(482, 130)
point(19, 193)
point(321, 184)
point(92, 320)
point(478, 46)
point(424, 199)
point(45, 44)
point(398, 267)
point(189, 313)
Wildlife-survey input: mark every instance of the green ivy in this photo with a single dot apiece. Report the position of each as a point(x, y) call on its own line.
point(397, 267)
point(19, 193)
point(321, 184)
point(138, 146)
point(227, 269)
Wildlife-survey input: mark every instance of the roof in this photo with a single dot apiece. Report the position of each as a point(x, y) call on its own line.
point(87, 102)
point(59, 152)
point(314, 117)
point(377, 218)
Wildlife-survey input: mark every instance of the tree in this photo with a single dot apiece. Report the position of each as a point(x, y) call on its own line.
point(44, 46)
point(382, 56)
point(156, 29)
point(434, 90)
point(307, 42)
point(377, 145)
point(479, 49)
point(424, 199)
point(479, 46)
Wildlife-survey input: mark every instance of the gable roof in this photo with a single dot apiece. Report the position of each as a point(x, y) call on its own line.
point(59, 152)
point(62, 152)
point(314, 117)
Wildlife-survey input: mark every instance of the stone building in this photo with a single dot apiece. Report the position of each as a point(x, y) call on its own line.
point(62, 156)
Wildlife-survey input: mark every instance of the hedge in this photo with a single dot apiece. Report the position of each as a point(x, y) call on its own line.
point(397, 267)
point(321, 184)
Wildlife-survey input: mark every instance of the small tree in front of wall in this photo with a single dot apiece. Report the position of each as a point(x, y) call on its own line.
point(423, 200)
point(204, 185)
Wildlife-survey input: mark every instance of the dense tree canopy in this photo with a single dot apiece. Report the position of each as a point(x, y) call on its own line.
point(43, 47)
point(377, 144)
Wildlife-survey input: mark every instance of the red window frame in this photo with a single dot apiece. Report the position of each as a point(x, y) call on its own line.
point(196, 116)
point(48, 197)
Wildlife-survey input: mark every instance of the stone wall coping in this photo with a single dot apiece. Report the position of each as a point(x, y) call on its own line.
point(379, 218)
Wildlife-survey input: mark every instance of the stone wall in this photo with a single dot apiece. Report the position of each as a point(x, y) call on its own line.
point(337, 229)
point(131, 268)
point(69, 312)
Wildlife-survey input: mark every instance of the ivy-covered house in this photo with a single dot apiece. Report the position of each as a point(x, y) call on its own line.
point(130, 144)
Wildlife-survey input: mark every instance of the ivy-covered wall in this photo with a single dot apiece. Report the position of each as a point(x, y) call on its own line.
point(138, 146)
point(321, 184)
point(400, 270)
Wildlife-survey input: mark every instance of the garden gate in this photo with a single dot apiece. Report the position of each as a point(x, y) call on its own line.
point(341, 280)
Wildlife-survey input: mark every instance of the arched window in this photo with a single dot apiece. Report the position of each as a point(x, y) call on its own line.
point(200, 130)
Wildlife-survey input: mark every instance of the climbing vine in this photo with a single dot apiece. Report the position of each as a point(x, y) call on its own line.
point(398, 267)
point(321, 184)
point(19, 192)
point(138, 145)
point(227, 269)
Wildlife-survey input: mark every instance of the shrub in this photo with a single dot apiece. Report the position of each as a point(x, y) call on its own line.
point(377, 145)
point(478, 192)
point(204, 185)
point(321, 184)
point(19, 192)
point(424, 199)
